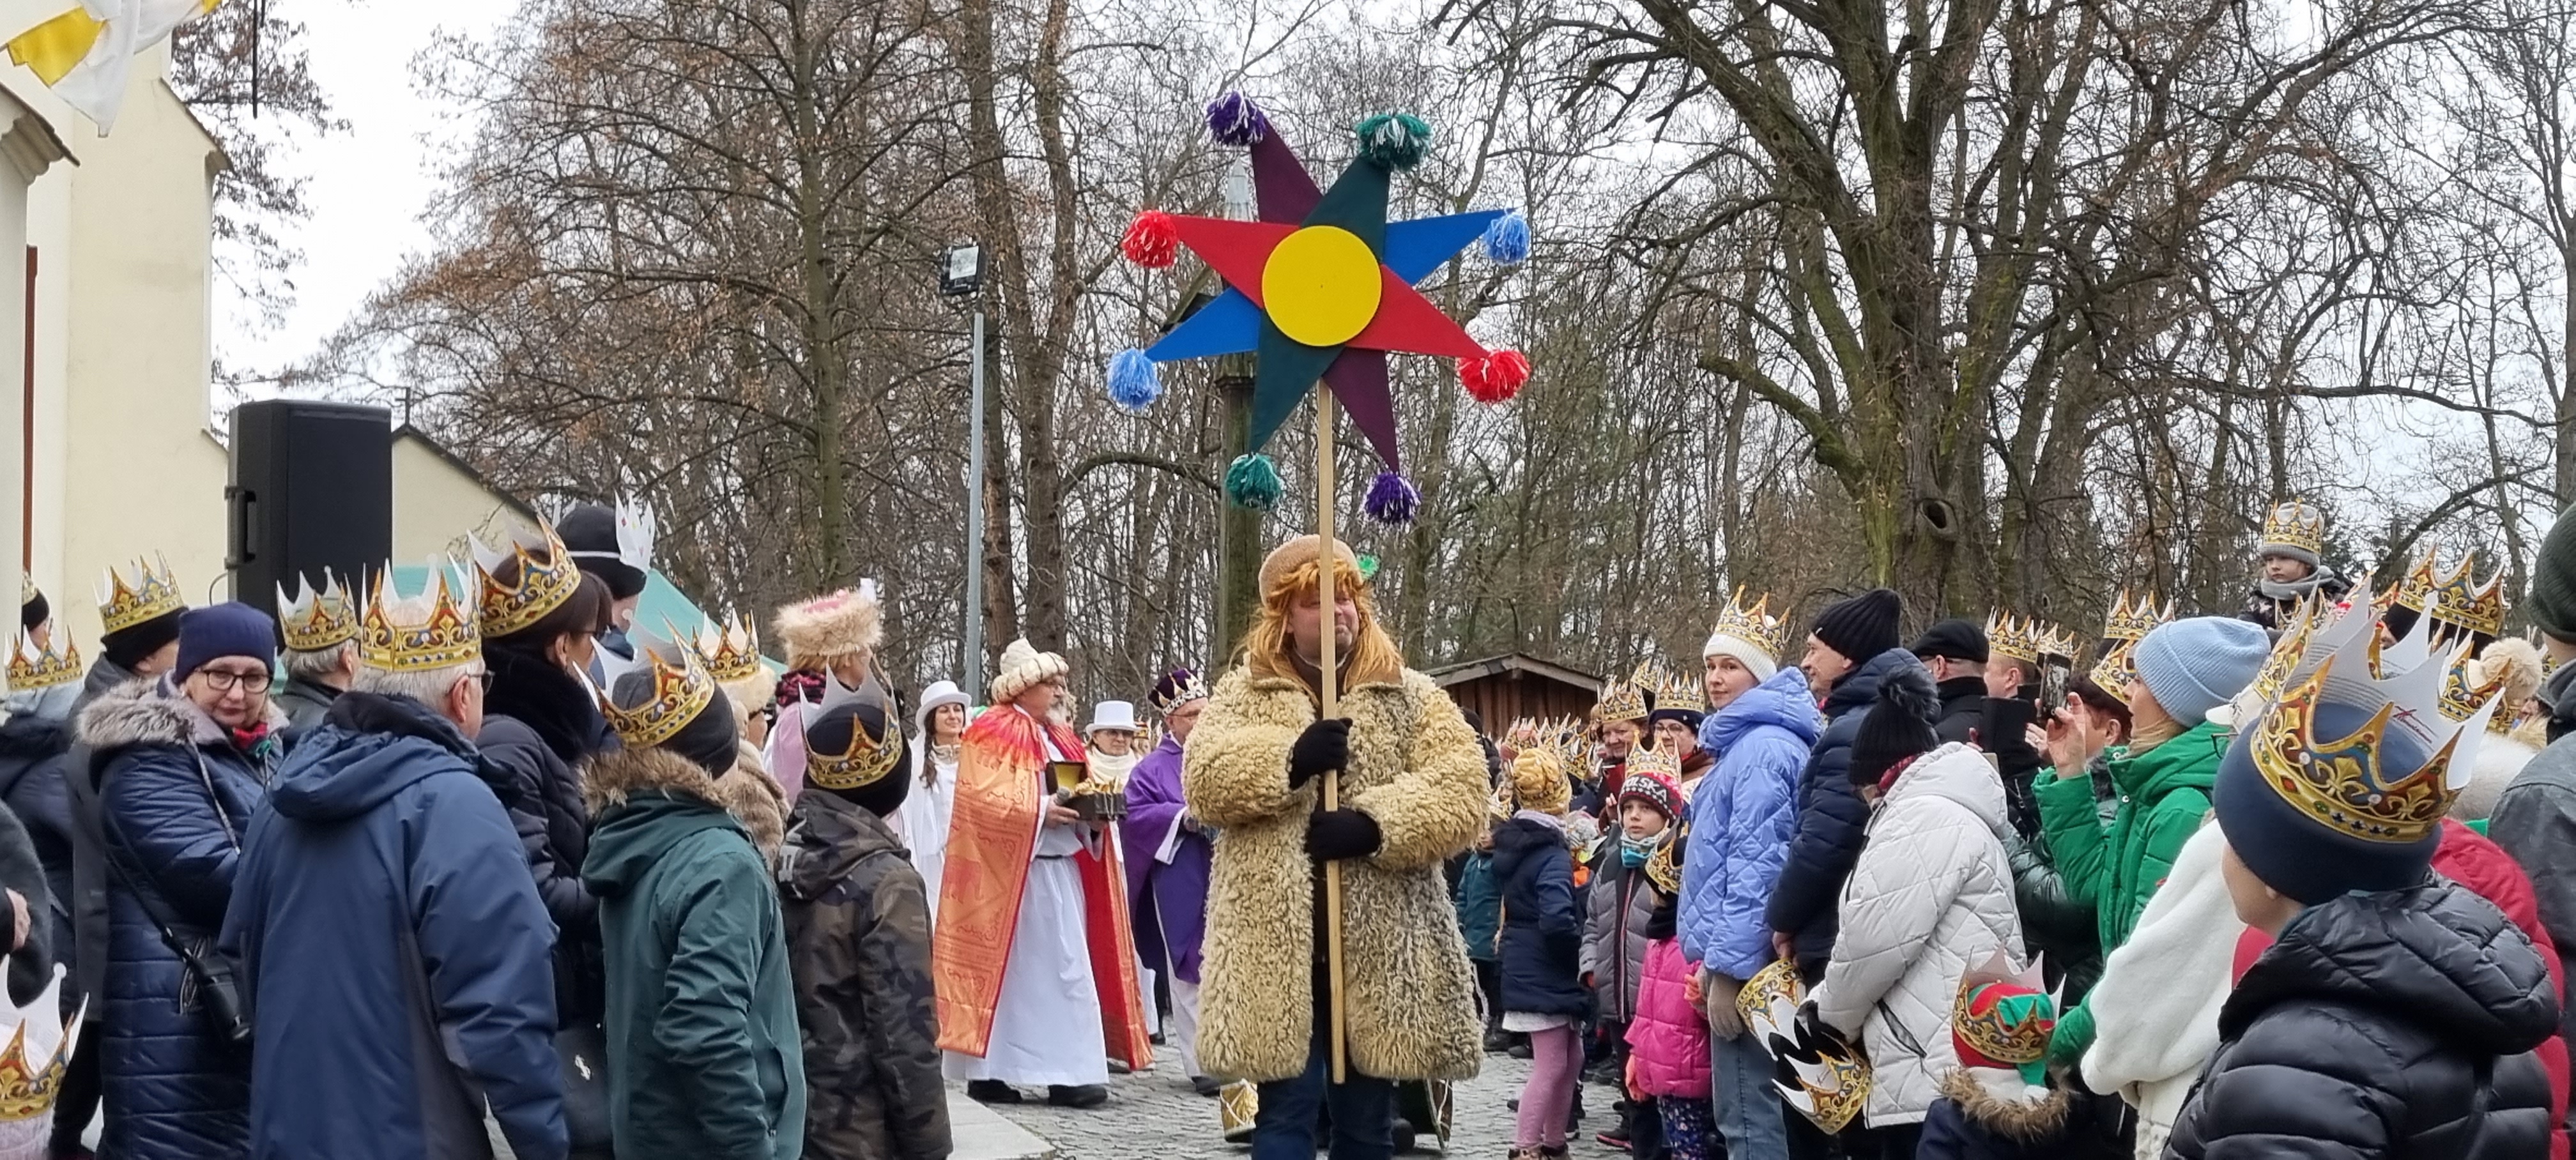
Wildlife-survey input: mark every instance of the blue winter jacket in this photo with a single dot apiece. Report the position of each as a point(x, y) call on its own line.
point(174, 797)
point(1542, 941)
point(1832, 820)
point(1742, 817)
point(384, 918)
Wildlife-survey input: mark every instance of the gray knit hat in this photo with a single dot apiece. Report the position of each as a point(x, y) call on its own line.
point(2553, 580)
point(2193, 666)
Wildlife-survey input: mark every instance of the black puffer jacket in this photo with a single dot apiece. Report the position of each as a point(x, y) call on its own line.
point(33, 754)
point(1542, 940)
point(1832, 820)
point(2397, 1024)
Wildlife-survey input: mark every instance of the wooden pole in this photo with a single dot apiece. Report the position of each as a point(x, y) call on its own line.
point(1328, 591)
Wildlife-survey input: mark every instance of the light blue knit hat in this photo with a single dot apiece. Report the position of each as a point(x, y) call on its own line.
point(2196, 665)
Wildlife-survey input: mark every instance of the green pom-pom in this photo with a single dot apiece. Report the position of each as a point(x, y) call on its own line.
point(1395, 140)
point(1253, 482)
point(1368, 567)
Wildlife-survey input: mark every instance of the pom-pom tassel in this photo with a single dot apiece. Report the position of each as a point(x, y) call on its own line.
point(1496, 378)
point(1392, 499)
point(1507, 241)
point(1234, 120)
point(1152, 240)
point(1395, 140)
point(1253, 482)
point(1133, 385)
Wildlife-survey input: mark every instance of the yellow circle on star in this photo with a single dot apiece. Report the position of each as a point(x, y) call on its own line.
point(1321, 285)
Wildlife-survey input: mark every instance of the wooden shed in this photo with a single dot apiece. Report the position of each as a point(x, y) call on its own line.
point(1505, 688)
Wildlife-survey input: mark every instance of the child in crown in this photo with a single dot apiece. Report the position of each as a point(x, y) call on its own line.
point(1998, 1104)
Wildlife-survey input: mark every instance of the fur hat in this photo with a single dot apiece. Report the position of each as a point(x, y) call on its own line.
point(1298, 553)
point(1022, 666)
point(1538, 781)
point(849, 622)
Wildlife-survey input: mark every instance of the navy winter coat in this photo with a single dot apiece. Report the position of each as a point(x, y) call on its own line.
point(1969, 1123)
point(393, 950)
point(1832, 820)
point(33, 754)
point(174, 797)
point(1542, 943)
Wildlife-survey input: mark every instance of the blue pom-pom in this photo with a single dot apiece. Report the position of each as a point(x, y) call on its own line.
point(1507, 240)
point(1234, 120)
point(1392, 500)
point(1395, 140)
point(1133, 384)
point(1253, 482)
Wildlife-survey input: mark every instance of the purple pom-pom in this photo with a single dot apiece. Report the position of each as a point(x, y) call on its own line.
point(1236, 121)
point(1392, 500)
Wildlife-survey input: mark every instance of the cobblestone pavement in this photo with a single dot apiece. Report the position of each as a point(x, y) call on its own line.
point(1155, 1116)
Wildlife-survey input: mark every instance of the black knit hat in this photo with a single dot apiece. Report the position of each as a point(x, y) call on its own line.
point(590, 530)
point(127, 646)
point(1898, 726)
point(711, 740)
point(1959, 640)
point(2553, 580)
point(830, 733)
point(1862, 626)
point(33, 610)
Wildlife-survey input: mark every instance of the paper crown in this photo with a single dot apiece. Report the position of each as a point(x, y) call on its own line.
point(2459, 602)
point(2010, 1033)
point(28, 593)
point(124, 603)
point(2032, 642)
point(1672, 690)
point(2345, 783)
point(1625, 700)
point(1661, 868)
point(444, 632)
point(39, 1051)
point(42, 670)
point(2463, 693)
point(2117, 667)
point(866, 759)
point(635, 530)
point(681, 689)
point(547, 576)
point(1823, 1080)
point(2415, 590)
point(2293, 524)
point(314, 619)
point(2132, 621)
point(1656, 760)
point(1754, 625)
point(1178, 688)
point(731, 650)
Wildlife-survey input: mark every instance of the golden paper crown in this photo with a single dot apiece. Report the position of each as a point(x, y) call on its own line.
point(43, 670)
point(2031, 642)
point(2415, 589)
point(1673, 690)
point(1826, 1082)
point(1662, 870)
point(731, 651)
point(1625, 700)
point(2132, 621)
point(2116, 668)
point(547, 577)
point(124, 603)
point(2340, 782)
point(39, 1051)
point(866, 759)
point(314, 619)
point(2459, 602)
point(2293, 524)
point(1753, 625)
point(1994, 1034)
point(444, 634)
point(681, 690)
point(2463, 694)
point(1657, 760)
point(2287, 653)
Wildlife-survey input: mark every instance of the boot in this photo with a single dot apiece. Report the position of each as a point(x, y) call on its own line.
point(1090, 1095)
point(992, 1091)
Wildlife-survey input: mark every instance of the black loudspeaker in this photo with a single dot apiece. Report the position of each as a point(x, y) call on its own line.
point(312, 488)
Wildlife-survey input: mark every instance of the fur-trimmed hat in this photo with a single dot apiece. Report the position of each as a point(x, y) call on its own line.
point(1298, 553)
point(849, 622)
point(1022, 666)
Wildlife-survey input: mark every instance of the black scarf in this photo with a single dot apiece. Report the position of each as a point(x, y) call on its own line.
point(542, 695)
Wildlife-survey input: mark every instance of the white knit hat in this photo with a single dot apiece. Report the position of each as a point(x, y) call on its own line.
point(1745, 652)
point(1022, 666)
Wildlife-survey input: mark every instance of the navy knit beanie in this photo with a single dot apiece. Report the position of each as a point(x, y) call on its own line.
point(2301, 855)
point(1897, 726)
point(1860, 627)
point(229, 629)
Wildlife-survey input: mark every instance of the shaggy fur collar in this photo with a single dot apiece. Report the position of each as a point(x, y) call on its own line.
point(746, 793)
point(755, 800)
point(2030, 1122)
point(144, 712)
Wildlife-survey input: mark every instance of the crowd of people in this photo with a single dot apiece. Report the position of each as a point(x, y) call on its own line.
point(394, 867)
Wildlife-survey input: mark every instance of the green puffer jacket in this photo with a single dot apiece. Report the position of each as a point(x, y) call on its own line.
point(2058, 926)
point(2164, 795)
point(701, 1010)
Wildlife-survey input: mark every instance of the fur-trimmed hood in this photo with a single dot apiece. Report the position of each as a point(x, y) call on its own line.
point(754, 799)
point(646, 803)
point(613, 777)
point(2025, 1121)
point(152, 712)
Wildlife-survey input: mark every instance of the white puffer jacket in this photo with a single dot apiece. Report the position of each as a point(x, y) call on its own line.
point(2155, 1012)
point(1931, 896)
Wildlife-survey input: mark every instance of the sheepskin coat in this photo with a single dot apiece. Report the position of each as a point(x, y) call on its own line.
point(1416, 769)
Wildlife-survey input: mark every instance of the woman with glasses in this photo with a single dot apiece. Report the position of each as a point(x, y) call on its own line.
point(181, 763)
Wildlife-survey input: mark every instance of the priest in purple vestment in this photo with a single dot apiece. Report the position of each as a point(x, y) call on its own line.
point(1167, 864)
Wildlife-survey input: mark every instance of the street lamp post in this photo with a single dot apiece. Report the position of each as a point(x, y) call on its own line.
point(961, 275)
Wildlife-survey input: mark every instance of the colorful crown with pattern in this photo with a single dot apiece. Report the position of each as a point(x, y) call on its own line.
point(1625, 700)
point(2286, 653)
point(2032, 642)
point(39, 1052)
point(1191, 686)
point(314, 619)
point(1753, 625)
point(547, 576)
point(44, 669)
point(731, 650)
point(1675, 691)
point(2294, 524)
point(2340, 781)
point(1825, 1081)
point(2117, 667)
point(2132, 621)
point(445, 634)
point(866, 759)
point(2006, 1033)
point(2459, 602)
point(123, 603)
point(2463, 694)
point(2414, 590)
point(1662, 870)
point(681, 689)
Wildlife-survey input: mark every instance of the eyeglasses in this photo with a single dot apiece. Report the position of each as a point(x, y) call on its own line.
point(483, 681)
point(223, 682)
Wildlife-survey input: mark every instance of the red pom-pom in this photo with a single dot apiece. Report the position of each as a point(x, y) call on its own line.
point(1496, 378)
point(1153, 241)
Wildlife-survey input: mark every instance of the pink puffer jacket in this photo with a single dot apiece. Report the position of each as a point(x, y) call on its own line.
point(1669, 1037)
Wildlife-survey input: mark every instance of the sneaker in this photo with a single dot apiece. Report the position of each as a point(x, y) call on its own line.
point(1208, 1085)
point(992, 1091)
point(1614, 1139)
point(1090, 1095)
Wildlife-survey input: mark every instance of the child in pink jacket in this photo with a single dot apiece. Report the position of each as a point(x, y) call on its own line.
point(1668, 1059)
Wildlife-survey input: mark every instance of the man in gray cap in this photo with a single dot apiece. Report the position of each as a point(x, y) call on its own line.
point(2535, 817)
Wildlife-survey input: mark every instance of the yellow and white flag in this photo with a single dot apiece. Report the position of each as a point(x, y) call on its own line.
point(85, 55)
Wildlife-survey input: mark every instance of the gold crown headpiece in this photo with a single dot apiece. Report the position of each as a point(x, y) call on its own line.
point(2414, 591)
point(2460, 602)
point(1655, 761)
point(2346, 783)
point(39, 1052)
point(153, 592)
point(865, 759)
point(2463, 694)
point(731, 650)
point(44, 669)
point(1992, 1031)
point(2132, 621)
point(2032, 642)
point(547, 576)
point(2117, 666)
point(443, 633)
point(2293, 524)
point(313, 619)
point(1825, 1080)
point(680, 690)
point(1753, 624)
point(1625, 700)
point(1673, 690)
point(1663, 867)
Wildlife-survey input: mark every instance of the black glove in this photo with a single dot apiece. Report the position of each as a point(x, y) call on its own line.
point(1324, 745)
point(1332, 835)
